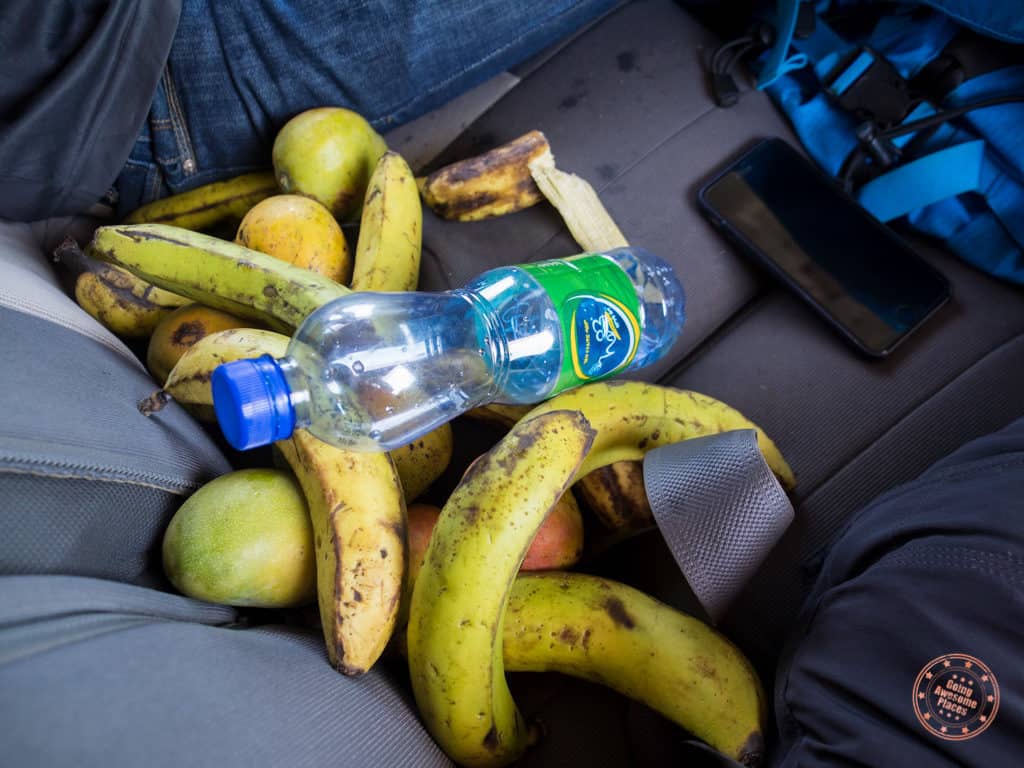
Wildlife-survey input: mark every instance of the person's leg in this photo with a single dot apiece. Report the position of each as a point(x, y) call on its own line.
point(96, 673)
point(908, 651)
point(238, 71)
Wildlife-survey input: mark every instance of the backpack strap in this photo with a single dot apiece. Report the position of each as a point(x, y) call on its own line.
point(865, 84)
point(929, 179)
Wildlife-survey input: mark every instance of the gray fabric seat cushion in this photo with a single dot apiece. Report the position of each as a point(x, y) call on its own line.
point(96, 673)
point(87, 483)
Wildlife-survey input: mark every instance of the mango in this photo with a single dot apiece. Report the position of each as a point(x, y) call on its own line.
point(328, 154)
point(557, 545)
point(298, 230)
point(243, 539)
point(180, 330)
point(559, 540)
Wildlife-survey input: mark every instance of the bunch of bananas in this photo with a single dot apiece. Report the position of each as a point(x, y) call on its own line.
point(454, 600)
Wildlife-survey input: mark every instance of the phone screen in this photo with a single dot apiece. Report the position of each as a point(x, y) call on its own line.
point(863, 278)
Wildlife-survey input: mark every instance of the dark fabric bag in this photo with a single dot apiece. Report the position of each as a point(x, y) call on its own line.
point(907, 652)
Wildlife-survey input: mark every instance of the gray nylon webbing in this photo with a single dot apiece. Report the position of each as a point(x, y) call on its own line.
point(720, 509)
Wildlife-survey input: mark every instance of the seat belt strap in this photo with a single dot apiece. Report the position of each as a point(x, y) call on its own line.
point(720, 509)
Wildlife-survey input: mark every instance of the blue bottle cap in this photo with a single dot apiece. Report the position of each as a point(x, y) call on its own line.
point(252, 402)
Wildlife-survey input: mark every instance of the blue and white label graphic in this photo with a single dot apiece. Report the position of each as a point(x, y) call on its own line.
point(604, 335)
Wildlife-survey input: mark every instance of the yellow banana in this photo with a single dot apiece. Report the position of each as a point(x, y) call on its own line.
point(188, 383)
point(423, 460)
point(458, 602)
point(358, 513)
point(119, 310)
point(215, 272)
point(612, 634)
point(388, 251)
point(120, 301)
point(617, 497)
point(491, 184)
point(631, 418)
point(355, 502)
point(209, 205)
point(615, 493)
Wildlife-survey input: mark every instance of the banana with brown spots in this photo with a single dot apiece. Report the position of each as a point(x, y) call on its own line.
point(492, 184)
point(458, 601)
point(457, 612)
point(609, 633)
point(209, 205)
point(358, 513)
point(632, 418)
point(391, 229)
point(419, 463)
point(617, 497)
point(120, 301)
point(216, 273)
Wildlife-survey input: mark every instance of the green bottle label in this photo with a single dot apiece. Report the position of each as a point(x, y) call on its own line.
point(599, 311)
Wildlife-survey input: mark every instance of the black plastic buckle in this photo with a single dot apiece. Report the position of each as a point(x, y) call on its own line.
point(866, 85)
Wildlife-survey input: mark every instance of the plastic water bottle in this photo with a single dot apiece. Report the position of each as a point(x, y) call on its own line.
point(374, 371)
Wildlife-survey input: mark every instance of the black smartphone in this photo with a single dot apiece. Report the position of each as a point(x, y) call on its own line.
point(852, 269)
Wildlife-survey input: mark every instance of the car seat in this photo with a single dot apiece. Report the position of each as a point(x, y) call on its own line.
point(101, 663)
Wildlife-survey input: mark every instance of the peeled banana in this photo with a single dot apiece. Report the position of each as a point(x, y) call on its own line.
point(491, 184)
point(458, 602)
point(216, 272)
point(358, 513)
point(123, 303)
point(612, 634)
point(388, 251)
point(209, 205)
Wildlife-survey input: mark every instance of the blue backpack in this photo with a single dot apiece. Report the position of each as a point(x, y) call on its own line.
point(915, 109)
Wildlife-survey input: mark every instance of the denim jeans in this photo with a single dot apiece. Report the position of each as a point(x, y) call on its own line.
point(239, 70)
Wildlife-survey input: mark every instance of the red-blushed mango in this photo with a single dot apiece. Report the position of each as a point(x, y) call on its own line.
point(557, 545)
